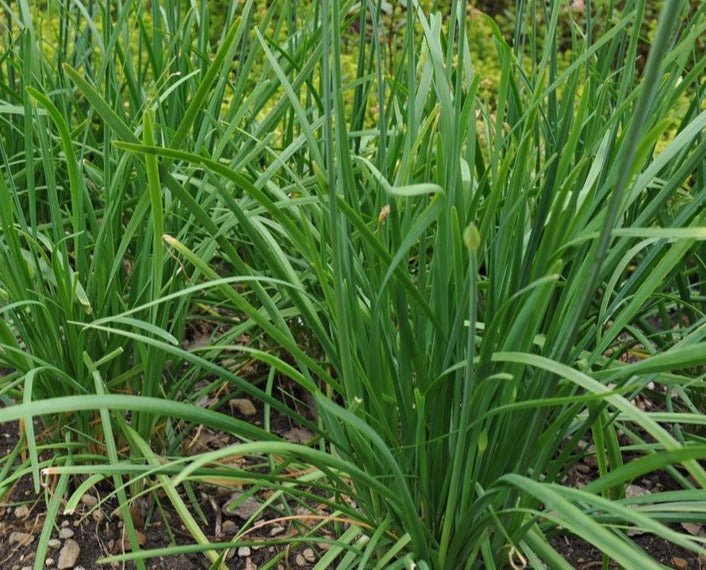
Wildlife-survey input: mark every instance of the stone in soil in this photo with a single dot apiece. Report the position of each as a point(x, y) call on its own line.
point(229, 527)
point(54, 543)
point(141, 540)
point(244, 510)
point(21, 538)
point(300, 561)
point(89, 500)
point(309, 555)
point(243, 406)
point(69, 554)
point(275, 530)
point(298, 435)
point(244, 551)
point(66, 533)
point(635, 491)
point(22, 512)
point(693, 529)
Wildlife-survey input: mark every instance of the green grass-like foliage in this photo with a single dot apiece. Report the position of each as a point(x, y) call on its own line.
point(475, 291)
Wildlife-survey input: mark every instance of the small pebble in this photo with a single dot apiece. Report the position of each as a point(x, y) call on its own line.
point(65, 533)
point(89, 500)
point(246, 508)
point(49, 562)
point(69, 554)
point(141, 537)
point(300, 560)
point(21, 538)
point(635, 491)
point(250, 565)
point(64, 523)
point(54, 543)
point(693, 528)
point(275, 530)
point(98, 515)
point(22, 512)
point(244, 551)
point(243, 406)
point(298, 435)
point(229, 527)
point(680, 563)
point(309, 555)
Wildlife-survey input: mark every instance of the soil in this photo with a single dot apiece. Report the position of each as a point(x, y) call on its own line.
point(100, 539)
point(100, 535)
point(98, 530)
point(583, 556)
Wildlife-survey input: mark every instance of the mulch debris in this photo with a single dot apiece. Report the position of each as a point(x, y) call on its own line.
point(95, 530)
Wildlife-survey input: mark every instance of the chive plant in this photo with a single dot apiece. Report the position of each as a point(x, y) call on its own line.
point(485, 286)
point(481, 292)
point(82, 222)
point(81, 225)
